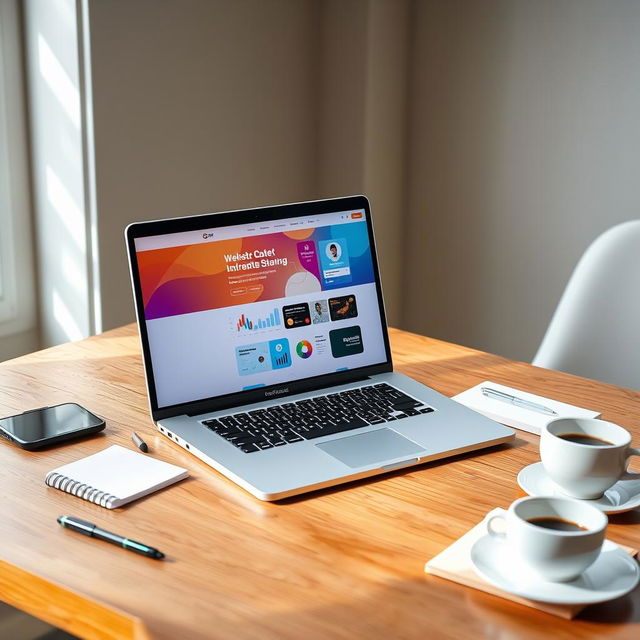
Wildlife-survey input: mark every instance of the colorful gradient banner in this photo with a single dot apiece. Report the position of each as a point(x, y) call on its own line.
point(212, 275)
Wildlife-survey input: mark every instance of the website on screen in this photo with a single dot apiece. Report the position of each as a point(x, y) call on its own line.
point(254, 305)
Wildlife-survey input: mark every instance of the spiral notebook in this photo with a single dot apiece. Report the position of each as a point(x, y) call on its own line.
point(114, 476)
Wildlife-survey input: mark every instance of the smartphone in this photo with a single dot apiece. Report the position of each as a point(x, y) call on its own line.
point(46, 426)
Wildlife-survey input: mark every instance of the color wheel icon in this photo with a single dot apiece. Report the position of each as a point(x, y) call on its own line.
point(304, 349)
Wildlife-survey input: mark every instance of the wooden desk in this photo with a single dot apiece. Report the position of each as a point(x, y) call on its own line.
point(344, 563)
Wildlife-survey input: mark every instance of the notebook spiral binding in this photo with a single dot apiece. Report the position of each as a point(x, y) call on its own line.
point(80, 490)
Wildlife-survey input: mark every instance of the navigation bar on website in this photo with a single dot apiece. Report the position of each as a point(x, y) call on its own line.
point(246, 230)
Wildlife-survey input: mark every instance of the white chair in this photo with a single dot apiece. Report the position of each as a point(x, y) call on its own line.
point(595, 331)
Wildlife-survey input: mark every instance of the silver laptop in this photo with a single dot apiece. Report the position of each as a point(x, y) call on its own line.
point(266, 350)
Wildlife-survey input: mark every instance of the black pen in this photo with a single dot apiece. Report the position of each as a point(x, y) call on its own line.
point(89, 529)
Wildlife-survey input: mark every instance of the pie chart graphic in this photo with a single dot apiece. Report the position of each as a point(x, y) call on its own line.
point(304, 349)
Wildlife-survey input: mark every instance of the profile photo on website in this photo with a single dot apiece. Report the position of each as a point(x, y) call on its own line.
point(319, 312)
point(334, 251)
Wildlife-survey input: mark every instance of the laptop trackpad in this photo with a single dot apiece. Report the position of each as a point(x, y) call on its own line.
point(368, 448)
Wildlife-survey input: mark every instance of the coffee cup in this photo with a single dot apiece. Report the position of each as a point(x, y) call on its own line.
point(557, 539)
point(586, 456)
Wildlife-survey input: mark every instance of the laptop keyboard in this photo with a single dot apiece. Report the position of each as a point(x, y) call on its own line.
point(316, 417)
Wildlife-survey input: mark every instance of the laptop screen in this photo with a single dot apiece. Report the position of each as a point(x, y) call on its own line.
point(240, 307)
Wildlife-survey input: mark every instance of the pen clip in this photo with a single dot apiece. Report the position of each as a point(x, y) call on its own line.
point(494, 392)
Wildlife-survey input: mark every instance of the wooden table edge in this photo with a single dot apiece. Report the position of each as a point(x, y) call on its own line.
point(79, 615)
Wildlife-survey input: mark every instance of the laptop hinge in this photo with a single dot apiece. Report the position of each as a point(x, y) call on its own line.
point(283, 398)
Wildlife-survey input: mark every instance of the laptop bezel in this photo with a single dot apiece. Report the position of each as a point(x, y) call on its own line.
point(237, 217)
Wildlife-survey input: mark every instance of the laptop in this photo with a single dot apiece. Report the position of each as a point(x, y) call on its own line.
point(266, 350)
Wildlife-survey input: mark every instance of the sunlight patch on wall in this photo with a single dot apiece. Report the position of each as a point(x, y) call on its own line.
point(58, 81)
point(65, 206)
point(65, 319)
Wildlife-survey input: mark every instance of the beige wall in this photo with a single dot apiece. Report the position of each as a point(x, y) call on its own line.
point(495, 138)
point(198, 106)
point(362, 107)
point(211, 105)
point(525, 145)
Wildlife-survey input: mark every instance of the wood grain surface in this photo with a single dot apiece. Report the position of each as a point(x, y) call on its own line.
point(341, 563)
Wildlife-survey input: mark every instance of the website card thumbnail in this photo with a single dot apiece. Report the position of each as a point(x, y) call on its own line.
point(263, 356)
point(296, 315)
point(346, 342)
point(343, 307)
point(334, 258)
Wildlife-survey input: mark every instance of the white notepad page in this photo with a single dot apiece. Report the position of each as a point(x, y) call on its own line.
point(515, 416)
point(122, 473)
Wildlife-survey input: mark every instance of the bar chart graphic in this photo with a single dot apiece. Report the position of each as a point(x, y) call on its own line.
point(245, 323)
point(283, 360)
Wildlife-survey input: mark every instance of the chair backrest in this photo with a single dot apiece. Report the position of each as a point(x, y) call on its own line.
point(595, 331)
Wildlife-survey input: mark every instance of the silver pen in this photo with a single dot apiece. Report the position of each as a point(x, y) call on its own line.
point(517, 402)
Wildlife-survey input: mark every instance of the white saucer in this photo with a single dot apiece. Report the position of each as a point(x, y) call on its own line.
point(612, 575)
point(623, 496)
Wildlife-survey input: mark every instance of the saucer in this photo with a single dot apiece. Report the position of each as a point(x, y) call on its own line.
point(623, 496)
point(612, 575)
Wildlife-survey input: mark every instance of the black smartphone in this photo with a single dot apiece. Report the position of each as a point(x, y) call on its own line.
point(42, 427)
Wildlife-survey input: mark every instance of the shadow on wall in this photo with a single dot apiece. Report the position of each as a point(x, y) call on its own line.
point(447, 240)
point(16, 625)
point(519, 157)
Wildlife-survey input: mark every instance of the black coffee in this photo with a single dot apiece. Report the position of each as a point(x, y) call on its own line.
point(583, 438)
point(558, 524)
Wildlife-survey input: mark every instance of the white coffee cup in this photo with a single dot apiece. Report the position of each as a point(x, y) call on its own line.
point(557, 556)
point(586, 471)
